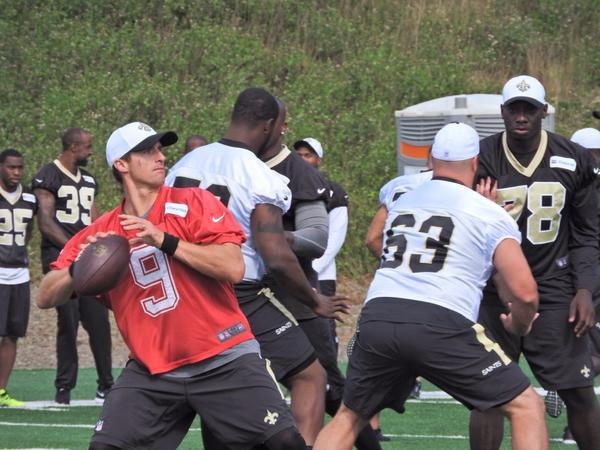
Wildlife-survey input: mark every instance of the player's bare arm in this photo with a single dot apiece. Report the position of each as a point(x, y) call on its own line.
point(46, 211)
point(29, 231)
point(55, 289)
point(518, 287)
point(267, 230)
point(94, 212)
point(218, 261)
point(374, 236)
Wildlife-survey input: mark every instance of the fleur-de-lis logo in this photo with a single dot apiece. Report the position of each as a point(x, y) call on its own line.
point(585, 371)
point(271, 417)
point(143, 126)
point(523, 86)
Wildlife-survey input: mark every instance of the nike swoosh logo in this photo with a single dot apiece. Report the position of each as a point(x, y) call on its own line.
point(217, 219)
point(38, 180)
point(320, 191)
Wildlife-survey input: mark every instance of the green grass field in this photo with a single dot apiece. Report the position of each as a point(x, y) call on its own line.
point(426, 424)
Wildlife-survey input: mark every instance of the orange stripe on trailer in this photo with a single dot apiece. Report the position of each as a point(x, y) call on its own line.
point(414, 151)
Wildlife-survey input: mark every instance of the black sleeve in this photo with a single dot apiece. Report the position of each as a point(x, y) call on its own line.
point(306, 182)
point(46, 179)
point(583, 240)
point(339, 197)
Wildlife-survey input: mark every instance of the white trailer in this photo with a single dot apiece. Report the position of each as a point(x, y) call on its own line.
point(416, 125)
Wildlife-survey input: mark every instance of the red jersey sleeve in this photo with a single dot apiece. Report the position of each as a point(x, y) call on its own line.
point(211, 222)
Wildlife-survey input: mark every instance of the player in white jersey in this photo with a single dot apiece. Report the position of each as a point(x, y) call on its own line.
point(419, 316)
point(389, 193)
point(257, 197)
point(233, 173)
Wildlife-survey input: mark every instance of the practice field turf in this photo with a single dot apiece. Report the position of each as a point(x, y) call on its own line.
point(433, 422)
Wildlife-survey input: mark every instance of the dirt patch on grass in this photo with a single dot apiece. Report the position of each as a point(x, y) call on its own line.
point(38, 349)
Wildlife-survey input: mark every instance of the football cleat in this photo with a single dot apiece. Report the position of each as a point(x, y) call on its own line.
point(553, 404)
point(380, 436)
point(416, 390)
point(101, 393)
point(63, 396)
point(567, 437)
point(8, 401)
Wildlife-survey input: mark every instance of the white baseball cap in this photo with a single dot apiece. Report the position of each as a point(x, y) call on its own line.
point(587, 138)
point(135, 136)
point(455, 142)
point(311, 143)
point(526, 88)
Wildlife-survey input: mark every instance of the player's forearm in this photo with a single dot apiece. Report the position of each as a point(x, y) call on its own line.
point(219, 261)
point(374, 236)
point(338, 225)
point(55, 289)
point(311, 229)
point(288, 274)
point(46, 223)
point(283, 266)
point(523, 313)
point(52, 232)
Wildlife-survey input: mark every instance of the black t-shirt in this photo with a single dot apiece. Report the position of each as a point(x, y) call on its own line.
point(16, 212)
point(307, 185)
point(555, 205)
point(74, 197)
point(339, 197)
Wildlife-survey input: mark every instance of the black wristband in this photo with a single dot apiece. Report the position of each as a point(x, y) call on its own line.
point(169, 244)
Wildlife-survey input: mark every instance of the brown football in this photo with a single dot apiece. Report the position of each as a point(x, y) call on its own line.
point(101, 265)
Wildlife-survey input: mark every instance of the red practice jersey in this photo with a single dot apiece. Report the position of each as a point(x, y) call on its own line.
point(169, 314)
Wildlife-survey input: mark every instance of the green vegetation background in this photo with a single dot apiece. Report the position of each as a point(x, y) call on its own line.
point(342, 66)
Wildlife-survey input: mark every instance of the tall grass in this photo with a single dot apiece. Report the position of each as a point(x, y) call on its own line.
point(342, 67)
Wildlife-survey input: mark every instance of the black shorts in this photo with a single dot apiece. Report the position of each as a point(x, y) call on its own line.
point(327, 287)
point(239, 401)
point(14, 309)
point(281, 340)
point(594, 335)
point(444, 347)
point(557, 358)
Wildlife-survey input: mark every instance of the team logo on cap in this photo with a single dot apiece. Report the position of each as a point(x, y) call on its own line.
point(143, 126)
point(523, 86)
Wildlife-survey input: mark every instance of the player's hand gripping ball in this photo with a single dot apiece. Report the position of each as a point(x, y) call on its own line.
point(101, 265)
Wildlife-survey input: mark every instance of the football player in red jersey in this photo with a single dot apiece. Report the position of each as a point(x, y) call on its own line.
point(550, 183)
point(192, 351)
